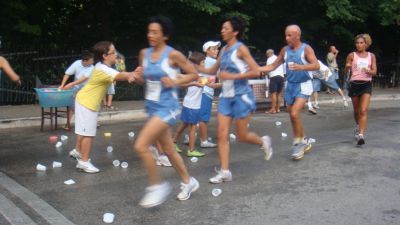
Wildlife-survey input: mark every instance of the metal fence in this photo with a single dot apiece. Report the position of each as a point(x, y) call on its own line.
point(48, 66)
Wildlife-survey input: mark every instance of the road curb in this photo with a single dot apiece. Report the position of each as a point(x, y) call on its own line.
point(140, 114)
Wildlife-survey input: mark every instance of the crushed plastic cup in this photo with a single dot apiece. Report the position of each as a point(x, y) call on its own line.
point(311, 140)
point(131, 134)
point(278, 123)
point(53, 139)
point(57, 164)
point(107, 134)
point(110, 148)
point(124, 165)
point(40, 167)
point(116, 163)
point(284, 134)
point(69, 182)
point(108, 217)
point(232, 137)
point(216, 192)
point(58, 144)
point(194, 159)
point(64, 138)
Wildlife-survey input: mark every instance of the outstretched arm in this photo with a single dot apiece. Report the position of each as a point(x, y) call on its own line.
point(278, 61)
point(5, 66)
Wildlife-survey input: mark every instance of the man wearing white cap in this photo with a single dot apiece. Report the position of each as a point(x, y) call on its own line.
point(211, 50)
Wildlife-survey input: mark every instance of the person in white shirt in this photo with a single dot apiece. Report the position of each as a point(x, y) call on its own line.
point(275, 83)
point(323, 75)
point(191, 108)
point(211, 50)
point(81, 70)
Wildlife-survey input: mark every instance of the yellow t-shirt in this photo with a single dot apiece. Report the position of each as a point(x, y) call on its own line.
point(95, 89)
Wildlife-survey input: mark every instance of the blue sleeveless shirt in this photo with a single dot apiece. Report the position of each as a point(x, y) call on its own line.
point(231, 63)
point(298, 57)
point(156, 95)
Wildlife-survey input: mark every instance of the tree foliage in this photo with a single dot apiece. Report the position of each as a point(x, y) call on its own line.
point(77, 24)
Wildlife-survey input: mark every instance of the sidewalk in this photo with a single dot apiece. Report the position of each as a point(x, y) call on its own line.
point(29, 115)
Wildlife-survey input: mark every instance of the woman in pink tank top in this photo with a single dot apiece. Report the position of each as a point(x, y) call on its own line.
point(362, 65)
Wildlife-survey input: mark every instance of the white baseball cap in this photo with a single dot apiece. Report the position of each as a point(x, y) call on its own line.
point(210, 44)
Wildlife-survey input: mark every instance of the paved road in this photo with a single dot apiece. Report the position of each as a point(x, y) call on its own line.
point(336, 183)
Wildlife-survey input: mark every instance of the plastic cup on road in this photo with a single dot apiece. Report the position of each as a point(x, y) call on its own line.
point(57, 164)
point(116, 163)
point(216, 192)
point(278, 123)
point(58, 144)
point(40, 167)
point(284, 134)
point(131, 134)
point(53, 139)
point(69, 182)
point(108, 217)
point(194, 159)
point(110, 149)
point(107, 134)
point(64, 137)
point(124, 165)
point(232, 137)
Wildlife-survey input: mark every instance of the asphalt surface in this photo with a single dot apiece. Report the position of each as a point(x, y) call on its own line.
point(336, 183)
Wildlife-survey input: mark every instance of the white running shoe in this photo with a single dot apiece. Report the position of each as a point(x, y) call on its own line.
point(187, 189)
point(87, 167)
point(266, 146)
point(360, 140)
point(163, 161)
point(345, 103)
point(207, 144)
point(155, 195)
point(315, 105)
point(75, 154)
point(222, 176)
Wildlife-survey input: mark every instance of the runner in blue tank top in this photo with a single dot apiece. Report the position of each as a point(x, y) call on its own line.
point(300, 59)
point(237, 102)
point(160, 75)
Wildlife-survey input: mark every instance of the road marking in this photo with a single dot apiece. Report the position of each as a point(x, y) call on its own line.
point(13, 214)
point(46, 211)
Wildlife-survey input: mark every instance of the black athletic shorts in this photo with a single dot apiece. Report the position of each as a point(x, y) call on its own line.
point(358, 88)
point(276, 84)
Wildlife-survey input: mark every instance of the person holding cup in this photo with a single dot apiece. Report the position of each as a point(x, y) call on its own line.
point(362, 65)
point(300, 59)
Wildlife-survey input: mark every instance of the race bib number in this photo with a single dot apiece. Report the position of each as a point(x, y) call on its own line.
point(228, 89)
point(306, 88)
point(153, 90)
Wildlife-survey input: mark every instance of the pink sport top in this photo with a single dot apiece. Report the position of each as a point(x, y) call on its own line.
point(358, 64)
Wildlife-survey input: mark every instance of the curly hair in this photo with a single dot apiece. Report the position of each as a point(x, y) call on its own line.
point(367, 39)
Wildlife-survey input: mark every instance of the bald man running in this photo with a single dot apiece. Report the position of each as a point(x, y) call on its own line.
point(300, 59)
